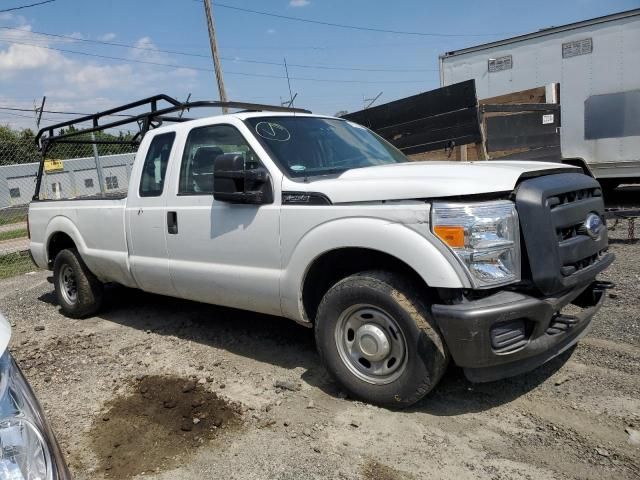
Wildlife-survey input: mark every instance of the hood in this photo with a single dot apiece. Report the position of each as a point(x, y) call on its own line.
point(400, 181)
point(5, 334)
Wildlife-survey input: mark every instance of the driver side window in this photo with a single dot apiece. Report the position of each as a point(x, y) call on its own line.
point(203, 145)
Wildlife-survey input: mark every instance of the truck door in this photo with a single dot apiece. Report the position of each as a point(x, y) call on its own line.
point(147, 219)
point(221, 253)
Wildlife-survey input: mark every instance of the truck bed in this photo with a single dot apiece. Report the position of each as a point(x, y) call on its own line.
point(97, 221)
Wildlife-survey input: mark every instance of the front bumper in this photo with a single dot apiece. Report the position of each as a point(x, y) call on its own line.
point(534, 328)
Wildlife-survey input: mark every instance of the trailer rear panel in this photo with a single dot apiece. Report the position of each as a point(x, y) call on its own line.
point(596, 63)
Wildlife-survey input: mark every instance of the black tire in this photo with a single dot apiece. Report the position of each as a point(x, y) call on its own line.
point(425, 352)
point(89, 290)
point(609, 188)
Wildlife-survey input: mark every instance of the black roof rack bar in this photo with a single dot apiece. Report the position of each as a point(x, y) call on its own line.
point(93, 118)
point(147, 117)
point(97, 141)
point(145, 121)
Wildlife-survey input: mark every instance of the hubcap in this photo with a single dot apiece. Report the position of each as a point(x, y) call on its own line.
point(371, 344)
point(68, 286)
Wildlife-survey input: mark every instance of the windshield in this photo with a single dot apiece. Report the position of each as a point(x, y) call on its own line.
point(307, 146)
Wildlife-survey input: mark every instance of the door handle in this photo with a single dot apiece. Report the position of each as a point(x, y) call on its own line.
point(172, 222)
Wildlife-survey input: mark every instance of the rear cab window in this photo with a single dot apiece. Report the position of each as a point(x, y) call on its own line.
point(154, 169)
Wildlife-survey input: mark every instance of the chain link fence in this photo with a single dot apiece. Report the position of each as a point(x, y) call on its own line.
point(71, 170)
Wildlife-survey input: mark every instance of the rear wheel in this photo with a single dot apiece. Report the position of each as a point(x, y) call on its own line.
point(78, 291)
point(376, 337)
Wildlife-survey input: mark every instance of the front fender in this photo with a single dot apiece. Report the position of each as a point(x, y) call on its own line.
point(436, 266)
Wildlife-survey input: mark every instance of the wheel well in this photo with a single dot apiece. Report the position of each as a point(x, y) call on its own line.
point(58, 242)
point(333, 266)
point(578, 162)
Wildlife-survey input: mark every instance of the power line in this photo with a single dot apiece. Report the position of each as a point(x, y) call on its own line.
point(331, 67)
point(245, 74)
point(45, 119)
point(18, 115)
point(57, 120)
point(18, 109)
point(355, 27)
point(104, 42)
point(26, 6)
point(231, 59)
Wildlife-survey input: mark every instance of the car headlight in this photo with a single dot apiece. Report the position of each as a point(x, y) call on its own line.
point(23, 454)
point(484, 236)
point(28, 450)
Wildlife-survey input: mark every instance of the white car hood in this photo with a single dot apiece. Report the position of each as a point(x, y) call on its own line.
point(428, 179)
point(5, 334)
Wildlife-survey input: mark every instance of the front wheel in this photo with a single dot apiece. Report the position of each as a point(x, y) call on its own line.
point(78, 291)
point(376, 337)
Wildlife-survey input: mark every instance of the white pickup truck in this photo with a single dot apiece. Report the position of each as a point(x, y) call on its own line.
point(399, 266)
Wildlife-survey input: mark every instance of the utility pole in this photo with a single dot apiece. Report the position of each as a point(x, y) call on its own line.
point(214, 53)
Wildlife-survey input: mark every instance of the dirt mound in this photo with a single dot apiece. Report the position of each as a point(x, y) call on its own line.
point(373, 470)
point(159, 425)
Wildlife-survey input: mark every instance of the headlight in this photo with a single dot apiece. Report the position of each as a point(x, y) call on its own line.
point(484, 236)
point(28, 450)
point(23, 454)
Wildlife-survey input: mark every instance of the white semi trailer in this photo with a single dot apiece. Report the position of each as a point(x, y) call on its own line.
point(597, 65)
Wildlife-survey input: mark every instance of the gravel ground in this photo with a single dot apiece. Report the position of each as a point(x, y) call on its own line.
point(160, 388)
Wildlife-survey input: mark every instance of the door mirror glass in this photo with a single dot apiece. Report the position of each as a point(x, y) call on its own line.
point(233, 182)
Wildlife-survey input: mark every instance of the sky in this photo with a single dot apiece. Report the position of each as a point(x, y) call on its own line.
point(330, 68)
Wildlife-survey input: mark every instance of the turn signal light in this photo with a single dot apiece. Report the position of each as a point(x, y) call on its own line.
point(451, 235)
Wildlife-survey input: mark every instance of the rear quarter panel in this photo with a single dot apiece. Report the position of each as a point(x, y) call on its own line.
point(97, 228)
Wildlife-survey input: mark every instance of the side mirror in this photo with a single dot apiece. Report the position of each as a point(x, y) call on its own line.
point(234, 183)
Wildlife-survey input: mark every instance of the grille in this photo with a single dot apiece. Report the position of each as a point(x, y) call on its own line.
point(570, 269)
point(573, 196)
point(552, 211)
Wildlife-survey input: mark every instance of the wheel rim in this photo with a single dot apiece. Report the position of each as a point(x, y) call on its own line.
point(371, 344)
point(68, 285)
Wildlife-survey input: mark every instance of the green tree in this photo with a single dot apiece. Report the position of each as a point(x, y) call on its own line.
point(18, 146)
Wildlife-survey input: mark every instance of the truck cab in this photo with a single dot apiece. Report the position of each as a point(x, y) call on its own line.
point(399, 266)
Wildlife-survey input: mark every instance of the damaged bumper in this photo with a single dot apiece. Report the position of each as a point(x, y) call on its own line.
point(509, 333)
